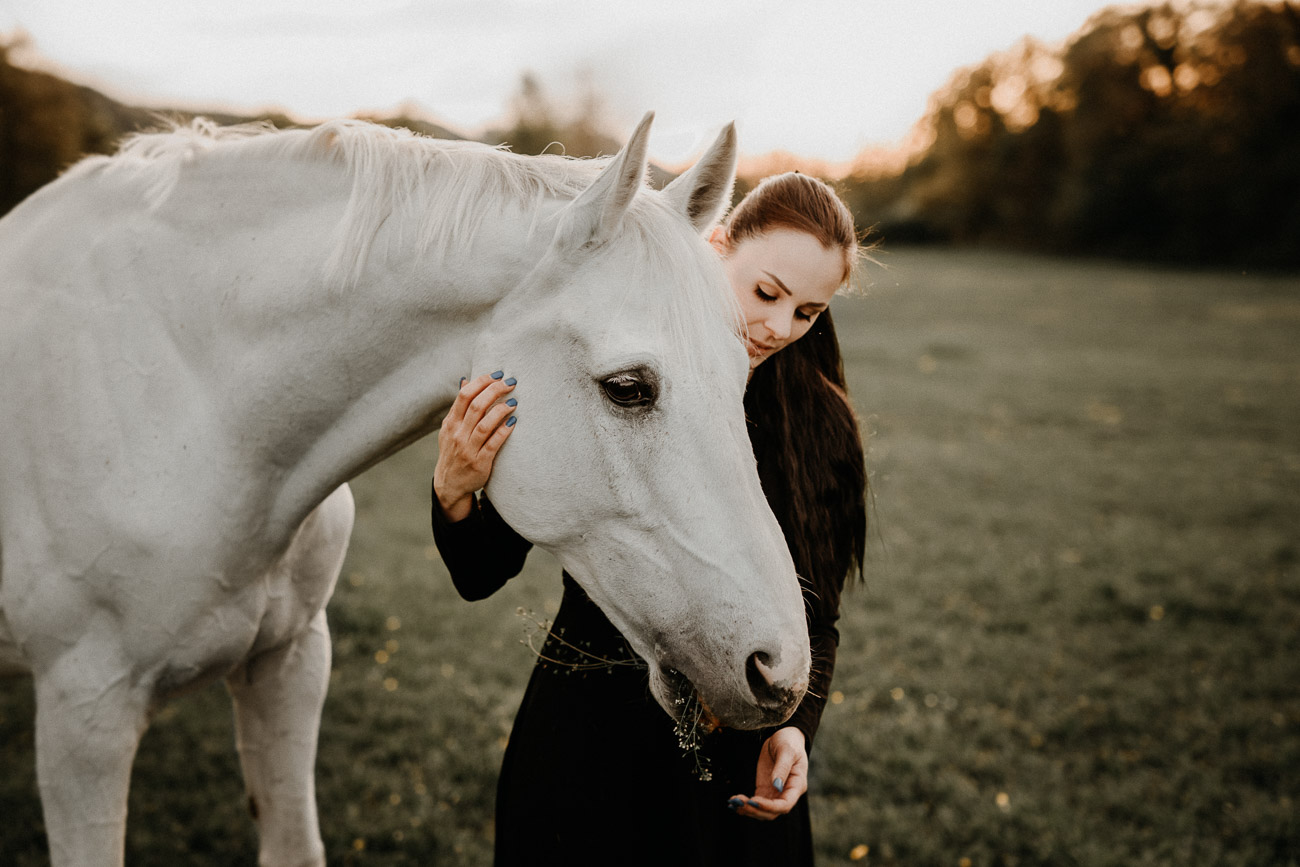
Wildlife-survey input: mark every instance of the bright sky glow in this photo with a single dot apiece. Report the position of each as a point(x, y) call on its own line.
point(819, 78)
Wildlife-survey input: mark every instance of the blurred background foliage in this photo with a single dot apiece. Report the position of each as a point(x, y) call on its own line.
point(1165, 132)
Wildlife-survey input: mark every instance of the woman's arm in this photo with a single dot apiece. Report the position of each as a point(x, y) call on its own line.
point(781, 778)
point(481, 551)
point(824, 640)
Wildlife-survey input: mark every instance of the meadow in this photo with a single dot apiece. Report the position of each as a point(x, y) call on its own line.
point(1078, 642)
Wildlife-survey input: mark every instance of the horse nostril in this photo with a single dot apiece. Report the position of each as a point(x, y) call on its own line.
point(758, 673)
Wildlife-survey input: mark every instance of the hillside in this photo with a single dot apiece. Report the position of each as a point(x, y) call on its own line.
point(48, 123)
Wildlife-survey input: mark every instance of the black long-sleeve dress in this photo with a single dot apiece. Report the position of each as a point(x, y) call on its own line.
point(594, 772)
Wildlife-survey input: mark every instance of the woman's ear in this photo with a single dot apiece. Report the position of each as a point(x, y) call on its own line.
point(720, 240)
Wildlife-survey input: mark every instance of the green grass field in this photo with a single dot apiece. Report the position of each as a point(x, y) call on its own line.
point(1079, 642)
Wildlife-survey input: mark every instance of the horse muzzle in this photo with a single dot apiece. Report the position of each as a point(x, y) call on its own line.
point(762, 699)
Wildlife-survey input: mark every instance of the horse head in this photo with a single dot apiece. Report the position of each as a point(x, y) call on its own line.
point(631, 462)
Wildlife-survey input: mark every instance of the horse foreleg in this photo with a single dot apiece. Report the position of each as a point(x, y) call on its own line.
point(278, 697)
point(89, 719)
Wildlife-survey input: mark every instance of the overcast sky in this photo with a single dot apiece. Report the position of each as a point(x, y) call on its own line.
point(820, 78)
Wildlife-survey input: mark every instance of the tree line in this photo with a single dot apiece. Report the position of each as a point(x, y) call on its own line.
point(1166, 132)
point(1170, 132)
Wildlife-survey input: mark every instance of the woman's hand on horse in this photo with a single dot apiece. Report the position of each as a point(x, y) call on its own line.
point(476, 426)
point(781, 779)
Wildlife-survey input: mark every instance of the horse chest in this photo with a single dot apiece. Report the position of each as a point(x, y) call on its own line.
point(175, 620)
point(213, 643)
point(271, 610)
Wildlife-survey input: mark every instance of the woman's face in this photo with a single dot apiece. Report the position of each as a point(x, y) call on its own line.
point(783, 279)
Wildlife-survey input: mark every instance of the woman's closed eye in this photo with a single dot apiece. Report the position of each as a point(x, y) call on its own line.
point(758, 290)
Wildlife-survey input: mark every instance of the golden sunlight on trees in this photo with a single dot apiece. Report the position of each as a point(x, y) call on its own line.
point(1170, 131)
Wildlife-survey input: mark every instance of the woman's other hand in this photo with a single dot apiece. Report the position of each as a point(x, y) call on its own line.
point(781, 779)
point(474, 430)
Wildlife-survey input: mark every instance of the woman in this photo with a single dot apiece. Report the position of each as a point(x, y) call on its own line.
point(595, 772)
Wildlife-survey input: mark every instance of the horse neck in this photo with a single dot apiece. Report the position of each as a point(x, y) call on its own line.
point(329, 380)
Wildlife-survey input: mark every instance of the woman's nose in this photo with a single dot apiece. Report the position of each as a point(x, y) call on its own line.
point(780, 325)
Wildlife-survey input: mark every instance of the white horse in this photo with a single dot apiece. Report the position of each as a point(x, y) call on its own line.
point(205, 336)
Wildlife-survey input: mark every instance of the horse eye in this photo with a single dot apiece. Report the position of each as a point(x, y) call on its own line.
point(626, 389)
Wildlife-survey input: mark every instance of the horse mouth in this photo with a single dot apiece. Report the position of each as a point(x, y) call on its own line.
point(689, 706)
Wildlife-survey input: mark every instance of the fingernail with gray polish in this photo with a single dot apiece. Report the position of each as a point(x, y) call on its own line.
point(510, 422)
point(778, 784)
point(511, 381)
point(734, 804)
point(512, 402)
point(499, 374)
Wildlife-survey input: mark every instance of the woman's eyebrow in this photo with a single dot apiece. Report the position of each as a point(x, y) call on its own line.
point(777, 281)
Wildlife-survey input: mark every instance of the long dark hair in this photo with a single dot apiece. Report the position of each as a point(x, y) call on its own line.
point(811, 461)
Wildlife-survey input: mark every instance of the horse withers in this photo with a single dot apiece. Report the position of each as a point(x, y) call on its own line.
point(206, 335)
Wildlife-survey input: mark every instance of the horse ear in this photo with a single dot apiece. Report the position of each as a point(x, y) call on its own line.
point(595, 215)
point(703, 192)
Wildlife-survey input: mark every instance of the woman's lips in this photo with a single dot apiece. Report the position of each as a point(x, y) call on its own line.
point(757, 349)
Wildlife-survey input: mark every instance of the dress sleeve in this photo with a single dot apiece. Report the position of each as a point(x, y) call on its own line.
point(823, 610)
point(824, 639)
point(482, 551)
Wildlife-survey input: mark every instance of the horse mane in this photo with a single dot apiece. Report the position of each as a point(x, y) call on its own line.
point(448, 186)
point(444, 189)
